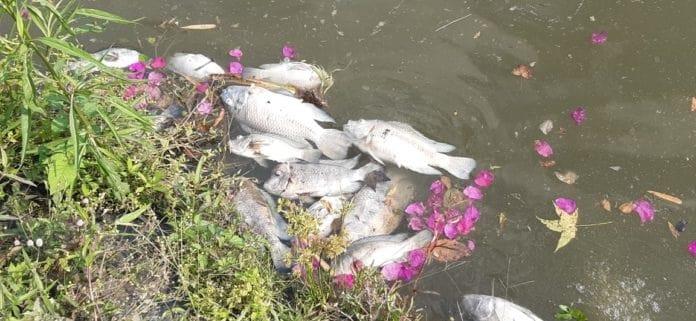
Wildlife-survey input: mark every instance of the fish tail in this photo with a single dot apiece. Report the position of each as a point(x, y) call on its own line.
point(310, 155)
point(279, 254)
point(333, 143)
point(460, 167)
point(253, 73)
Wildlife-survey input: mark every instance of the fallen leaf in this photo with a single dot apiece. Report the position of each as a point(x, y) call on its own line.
point(446, 250)
point(615, 168)
point(206, 26)
point(446, 181)
point(547, 163)
point(566, 225)
point(523, 71)
point(673, 230)
point(693, 103)
point(546, 127)
point(478, 34)
point(627, 208)
point(667, 197)
point(502, 221)
point(606, 205)
point(569, 177)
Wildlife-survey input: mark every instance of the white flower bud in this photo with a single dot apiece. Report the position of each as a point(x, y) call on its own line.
point(30, 243)
point(80, 223)
point(17, 242)
point(39, 242)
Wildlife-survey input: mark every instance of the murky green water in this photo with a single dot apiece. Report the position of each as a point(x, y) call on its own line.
point(457, 88)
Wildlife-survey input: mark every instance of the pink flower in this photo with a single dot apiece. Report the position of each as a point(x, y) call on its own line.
point(155, 78)
point(416, 258)
point(158, 63)
point(24, 13)
point(566, 205)
point(236, 68)
point(153, 92)
point(471, 216)
point(416, 224)
point(398, 271)
point(599, 38)
point(437, 187)
point(644, 209)
point(204, 107)
point(130, 92)
point(416, 209)
point(471, 245)
point(692, 248)
point(543, 148)
point(450, 230)
point(344, 281)
point(202, 87)
point(289, 52)
point(137, 70)
point(578, 115)
point(236, 53)
point(435, 201)
point(436, 222)
point(473, 192)
point(484, 178)
point(141, 105)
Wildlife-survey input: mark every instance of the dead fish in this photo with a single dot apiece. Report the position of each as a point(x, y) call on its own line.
point(377, 211)
point(260, 110)
point(297, 180)
point(110, 57)
point(300, 75)
point(258, 210)
point(348, 163)
point(261, 147)
point(328, 211)
point(167, 117)
point(195, 66)
point(377, 251)
point(476, 307)
point(402, 145)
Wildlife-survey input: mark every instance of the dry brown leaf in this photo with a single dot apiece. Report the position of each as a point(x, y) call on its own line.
point(523, 71)
point(606, 205)
point(478, 34)
point(547, 163)
point(627, 208)
point(693, 103)
point(205, 26)
point(446, 181)
point(446, 250)
point(667, 197)
point(673, 230)
point(569, 177)
point(502, 221)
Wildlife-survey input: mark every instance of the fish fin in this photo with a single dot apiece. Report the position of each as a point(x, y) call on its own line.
point(333, 143)
point(279, 253)
point(345, 163)
point(377, 159)
point(318, 114)
point(262, 162)
point(304, 198)
point(440, 147)
point(367, 169)
point(460, 167)
point(421, 168)
point(311, 156)
point(374, 178)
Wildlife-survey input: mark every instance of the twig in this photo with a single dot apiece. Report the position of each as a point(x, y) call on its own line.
point(451, 22)
point(522, 283)
point(596, 224)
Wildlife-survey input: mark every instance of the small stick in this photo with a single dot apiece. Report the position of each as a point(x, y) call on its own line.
point(596, 224)
point(451, 22)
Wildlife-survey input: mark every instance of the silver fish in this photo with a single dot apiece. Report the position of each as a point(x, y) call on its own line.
point(327, 210)
point(348, 163)
point(261, 147)
point(261, 110)
point(258, 210)
point(476, 307)
point(297, 74)
point(402, 145)
point(167, 117)
point(195, 66)
point(377, 251)
point(298, 180)
point(110, 57)
point(377, 211)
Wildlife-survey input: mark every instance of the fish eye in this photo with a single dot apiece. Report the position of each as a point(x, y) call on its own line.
point(277, 173)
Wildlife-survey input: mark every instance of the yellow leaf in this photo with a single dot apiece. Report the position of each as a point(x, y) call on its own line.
point(553, 225)
point(566, 225)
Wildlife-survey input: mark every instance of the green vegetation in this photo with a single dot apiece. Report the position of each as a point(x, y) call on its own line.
point(103, 219)
point(569, 313)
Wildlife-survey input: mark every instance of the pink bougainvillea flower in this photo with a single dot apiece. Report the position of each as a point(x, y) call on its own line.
point(345, 281)
point(436, 222)
point(644, 209)
point(141, 105)
point(289, 52)
point(599, 38)
point(437, 187)
point(398, 271)
point(204, 107)
point(236, 53)
point(471, 216)
point(453, 215)
point(566, 205)
point(416, 258)
point(543, 148)
point(450, 230)
point(236, 68)
point(473, 192)
point(692, 248)
point(416, 224)
point(435, 201)
point(484, 178)
point(137, 70)
point(155, 78)
point(153, 92)
point(202, 87)
point(578, 115)
point(24, 13)
point(416, 209)
point(471, 245)
point(130, 92)
point(158, 63)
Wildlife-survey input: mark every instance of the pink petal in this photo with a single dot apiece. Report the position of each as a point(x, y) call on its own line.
point(130, 92)
point(158, 63)
point(289, 52)
point(204, 107)
point(416, 224)
point(416, 209)
point(236, 68)
point(599, 38)
point(471, 245)
point(450, 230)
point(692, 248)
point(437, 187)
point(202, 87)
point(416, 258)
point(473, 192)
point(578, 115)
point(391, 271)
point(453, 215)
point(543, 148)
point(153, 92)
point(471, 216)
point(567, 205)
point(137, 67)
point(236, 53)
point(435, 201)
point(141, 105)
point(484, 178)
point(407, 273)
point(644, 209)
point(436, 222)
point(155, 78)
point(345, 281)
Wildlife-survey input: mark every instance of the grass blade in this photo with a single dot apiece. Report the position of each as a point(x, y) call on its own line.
point(74, 51)
point(102, 15)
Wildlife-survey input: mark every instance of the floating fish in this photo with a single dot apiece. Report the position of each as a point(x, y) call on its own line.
point(195, 66)
point(402, 145)
point(259, 110)
point(476, 307)
point(262, 147)
point(110, 57)
point(300, 75)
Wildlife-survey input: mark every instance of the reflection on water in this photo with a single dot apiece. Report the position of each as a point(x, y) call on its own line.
point(455, 86)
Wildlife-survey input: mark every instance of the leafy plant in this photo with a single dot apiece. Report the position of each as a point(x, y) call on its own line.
point(569, 313)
